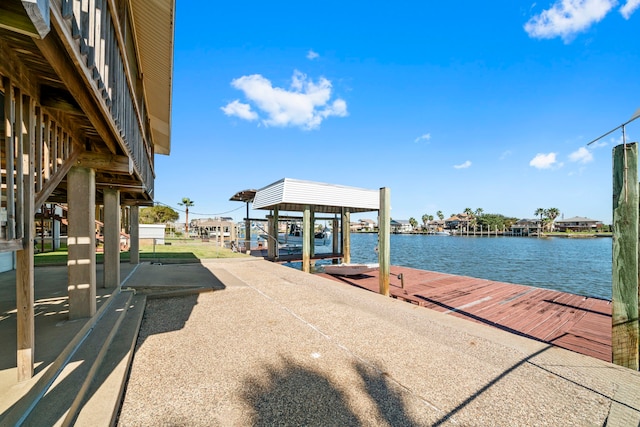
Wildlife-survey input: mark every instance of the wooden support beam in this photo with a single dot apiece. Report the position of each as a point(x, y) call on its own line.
point(625, 330)
point(307, 239)
point(55, 180)
point(14, 17)
point(134, 235)
point(384, 246)
point(111, 231)
point(105, 162)
point(346, 235)
point(24, 257)
point(335, 236)
point(38, 12)
point(81, 90)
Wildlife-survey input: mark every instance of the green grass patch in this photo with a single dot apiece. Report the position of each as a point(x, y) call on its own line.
point(176, 249)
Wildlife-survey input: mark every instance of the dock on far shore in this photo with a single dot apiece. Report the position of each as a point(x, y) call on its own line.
point(574, 322)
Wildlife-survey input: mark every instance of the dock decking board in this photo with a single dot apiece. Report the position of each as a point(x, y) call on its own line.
point(574, 322)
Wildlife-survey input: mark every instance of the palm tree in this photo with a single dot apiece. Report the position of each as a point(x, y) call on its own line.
point(539, 211)
point(440, 215)
point(413, 223)
point(187, 203)
point(425, 219)
point(471, 219)
point(552, 214)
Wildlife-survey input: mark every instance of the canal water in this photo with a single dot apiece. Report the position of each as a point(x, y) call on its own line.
point(578, 266)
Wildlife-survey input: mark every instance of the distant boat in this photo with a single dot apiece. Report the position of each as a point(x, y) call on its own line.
point(294, 237)
point(442, 233)
point(350, 269)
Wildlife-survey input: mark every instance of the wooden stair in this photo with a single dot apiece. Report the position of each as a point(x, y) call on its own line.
point(85, 385)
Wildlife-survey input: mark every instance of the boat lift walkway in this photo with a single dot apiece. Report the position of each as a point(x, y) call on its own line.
point(574, 322)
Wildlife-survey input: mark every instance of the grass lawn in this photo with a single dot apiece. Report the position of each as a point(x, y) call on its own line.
point(178, 249)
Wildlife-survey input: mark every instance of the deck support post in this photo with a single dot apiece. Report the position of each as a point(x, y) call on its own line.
point(346, 235)
point(272, 239)
point(307, 238)
point(247, 232)
point(134, 235)
point(312, 232)
point(25, 289)
point(625, 330)
point(111, 273)
point(334, 238)
point(81, 241)
point(384, 247)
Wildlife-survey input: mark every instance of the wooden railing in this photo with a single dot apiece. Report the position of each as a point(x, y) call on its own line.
point(32, 141)
point(101, 39)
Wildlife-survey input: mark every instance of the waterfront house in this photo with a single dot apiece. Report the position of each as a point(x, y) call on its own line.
point(457, 222)
point(365, 225)
point(577, 224)
point(85, 105)
point(525, 227)
point(401, 226)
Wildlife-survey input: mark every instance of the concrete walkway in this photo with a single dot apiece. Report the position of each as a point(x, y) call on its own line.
point(275, 346)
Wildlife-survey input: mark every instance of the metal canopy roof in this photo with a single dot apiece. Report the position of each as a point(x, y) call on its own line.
point(243, 196)
point(292, 195)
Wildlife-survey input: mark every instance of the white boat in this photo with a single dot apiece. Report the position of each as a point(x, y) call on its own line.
point(294, 237)
point(442, 233)
point(350, 269)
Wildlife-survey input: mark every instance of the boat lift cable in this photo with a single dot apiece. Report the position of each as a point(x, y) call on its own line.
point(635, 116)
point(197, 213)
point(624, 142)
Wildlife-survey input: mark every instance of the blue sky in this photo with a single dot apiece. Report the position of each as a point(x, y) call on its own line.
point(449, 104)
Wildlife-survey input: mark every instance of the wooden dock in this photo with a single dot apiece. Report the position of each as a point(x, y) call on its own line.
point(574, 322)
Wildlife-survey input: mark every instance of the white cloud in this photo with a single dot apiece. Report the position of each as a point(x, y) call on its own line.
point(505, 154)
point(581, 155)
point(238, 109)
point(306, 104)
point(463, 165)
point(543, 161)
point(629, 8)
point(568, 17)
point(425, 137)
point(311, 55)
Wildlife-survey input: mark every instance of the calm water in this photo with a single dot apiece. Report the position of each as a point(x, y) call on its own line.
point(578, 266)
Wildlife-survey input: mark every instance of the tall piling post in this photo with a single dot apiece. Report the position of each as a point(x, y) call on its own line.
point(625, 330)
point(384, 246)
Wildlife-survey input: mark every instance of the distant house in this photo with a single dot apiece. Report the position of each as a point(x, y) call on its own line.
point(401, 226)
point(578, 223)
point(457, 222)
point(367, 225)
point(525, 226)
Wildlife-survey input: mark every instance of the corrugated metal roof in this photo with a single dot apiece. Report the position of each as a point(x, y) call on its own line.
point(154, 26)
point(293, 194)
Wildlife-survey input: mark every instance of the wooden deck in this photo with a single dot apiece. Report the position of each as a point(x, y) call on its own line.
point(573, 322)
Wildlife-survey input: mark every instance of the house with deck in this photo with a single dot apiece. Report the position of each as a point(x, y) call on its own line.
point(85, 105)
point(578, 224)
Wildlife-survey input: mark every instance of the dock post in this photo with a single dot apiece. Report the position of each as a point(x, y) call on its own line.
point(384, 247)
point(307, 239)
point(625, 331)
point(346, 235)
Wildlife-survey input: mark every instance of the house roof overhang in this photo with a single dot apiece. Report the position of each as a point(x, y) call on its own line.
point(154, 28)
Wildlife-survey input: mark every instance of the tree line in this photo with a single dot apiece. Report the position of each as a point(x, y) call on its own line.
point(488, 221)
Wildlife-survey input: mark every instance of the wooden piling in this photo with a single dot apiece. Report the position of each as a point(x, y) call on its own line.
point(384, 246)
point(625, 329)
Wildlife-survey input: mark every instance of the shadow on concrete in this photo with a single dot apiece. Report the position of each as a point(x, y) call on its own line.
point(59, 330)
point(297, 395)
